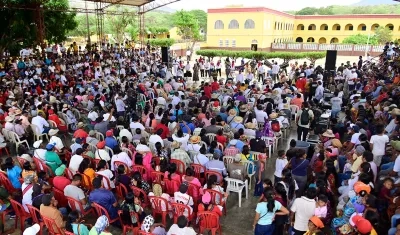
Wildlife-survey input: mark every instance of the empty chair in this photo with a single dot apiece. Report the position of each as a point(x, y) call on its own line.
point(237, 186)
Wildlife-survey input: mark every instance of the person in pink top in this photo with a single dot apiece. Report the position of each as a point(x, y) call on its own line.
point(190, 178)
point(171, 175)
point(147, 156)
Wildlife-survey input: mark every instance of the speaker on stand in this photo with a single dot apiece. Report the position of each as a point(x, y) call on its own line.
point(330, 62)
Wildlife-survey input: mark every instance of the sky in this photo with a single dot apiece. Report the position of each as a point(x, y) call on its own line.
point(277, 5)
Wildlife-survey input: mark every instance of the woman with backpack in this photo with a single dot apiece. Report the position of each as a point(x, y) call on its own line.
point(299, 166)
point(265, 213)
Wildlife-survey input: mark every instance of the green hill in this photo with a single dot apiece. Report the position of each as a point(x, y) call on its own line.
point(352, 9)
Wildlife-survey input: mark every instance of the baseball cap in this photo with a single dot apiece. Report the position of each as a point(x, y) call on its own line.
point(317, 222)
point(362, 225)
point(60, 170)
point(50, 146)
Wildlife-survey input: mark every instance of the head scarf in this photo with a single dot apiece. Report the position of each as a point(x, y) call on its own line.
point(147, 223)
point(101, 224)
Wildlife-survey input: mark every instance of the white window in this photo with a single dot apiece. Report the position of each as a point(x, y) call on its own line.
point(234, 24)
point(249, 24)
point(233, 43)
point(219, 24)
point(227, 43)
point(221, 43)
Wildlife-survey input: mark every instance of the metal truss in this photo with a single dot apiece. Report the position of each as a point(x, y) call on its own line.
point(154, 5)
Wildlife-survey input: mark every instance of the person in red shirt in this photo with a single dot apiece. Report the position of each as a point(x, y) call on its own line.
point(301, 82)
point(319, 163)
point(60, 181)
point(215, 85)
point(60, 124)
point(220, 138)
point(207, 90)
point(163, 125)
point(383, 95)
point(80, 132)
point(206, 205)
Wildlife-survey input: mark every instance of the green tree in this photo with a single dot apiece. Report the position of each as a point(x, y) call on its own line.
point(201, 17)
point(161, 42)
point(81, 29)
point(117, 24)
point(361, 39)
point(19, 29)
point(307, 11)
point(188, 27)
point(383, 35)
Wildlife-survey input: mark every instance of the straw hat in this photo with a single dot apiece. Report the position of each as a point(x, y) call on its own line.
point(18, 112)
point(244, 108)
point(195, 139)
point(328, 133)
point(232, 112)
point(9, 118)
point(175, 145)
point(53, 132)
point(273, 115)
point(250, 125)
point(238, 119)
point(275, 92)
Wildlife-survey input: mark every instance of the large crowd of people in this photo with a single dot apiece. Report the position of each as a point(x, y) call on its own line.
point(116, 135)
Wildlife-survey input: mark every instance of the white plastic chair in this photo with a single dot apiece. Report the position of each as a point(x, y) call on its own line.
point(228, 159)
point(99, 136)
point(202, 143)
point(269, 142)
point(109, 150)
point(255, 155)
point(294, 109)
point(52, 124)
point(211, 136)
point(36, 133)
point(193, 154)
point(127, 151)
point(16, 140)
point(250, 167)
point(210, 156)
point(76, 114)
point(237, 186)
point(120, 127)
point(92, 148)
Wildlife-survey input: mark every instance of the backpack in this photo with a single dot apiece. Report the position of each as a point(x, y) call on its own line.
point(305, 117)
point(275, 126)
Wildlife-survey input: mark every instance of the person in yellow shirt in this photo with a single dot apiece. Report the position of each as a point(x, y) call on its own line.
point(357, 158)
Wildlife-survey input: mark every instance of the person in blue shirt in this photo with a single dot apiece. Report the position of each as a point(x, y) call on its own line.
point(104, 197)
point(111, 142)
point(186, 125)
point(13, 172)
point(265, 213)
point(239, 143)
point(222, 114)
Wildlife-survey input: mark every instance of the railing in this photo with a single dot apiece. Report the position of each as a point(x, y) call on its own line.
point(344, 48)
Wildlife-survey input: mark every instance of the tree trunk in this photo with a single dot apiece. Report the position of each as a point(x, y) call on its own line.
point(192, 47)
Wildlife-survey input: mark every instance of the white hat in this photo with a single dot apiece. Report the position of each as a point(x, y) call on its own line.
point(33, 230)
point(301, 75)
point(37, 144)
point(233, 142)
point(53, 132)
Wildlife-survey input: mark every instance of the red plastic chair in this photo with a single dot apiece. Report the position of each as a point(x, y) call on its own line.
point(102, 211)
point(180, 166)
point(60, 197)
point(35, 213)
point(39, 164)
point(121, 191)
point(209, 221)
point(216, 198)
point(140, 193)
point(76, 205)
point(7, 183)
point(127, 227)
point(156, 205)
point(157, 177)
point(108, 186)
point(96, 162)
point(198, 169)
point(141, 169)
point(118, 163)
point(48, 170)
point(20, 213)
point(86, 182)
point(171, 186)
point(52, 226)
point(180, 209)
point(21, 162)
point(194, 192)
point(219, 175)
point(68, 233)
point(3, 218)
point(68, 173)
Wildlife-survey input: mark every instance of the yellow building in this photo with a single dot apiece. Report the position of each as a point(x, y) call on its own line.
point(243, 28)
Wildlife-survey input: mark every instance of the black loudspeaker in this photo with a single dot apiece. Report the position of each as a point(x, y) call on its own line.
point(164, 54)
point(330, 63)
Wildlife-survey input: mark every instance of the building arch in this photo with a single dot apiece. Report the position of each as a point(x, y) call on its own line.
point(362, 27)
point(312, 27)
point(323, 27)
point(348, 27)
point(254, 41)
point(219, 24)
point(234, 24)
point(374, 27)
point(322, 40)
point(300, 27)
point(249, 24)
point(299, 39)
point(334, 40)
point(389, 26)
point(310, 39)
point(336, 27)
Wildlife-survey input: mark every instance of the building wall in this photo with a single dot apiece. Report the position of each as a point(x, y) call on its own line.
point(272, 26)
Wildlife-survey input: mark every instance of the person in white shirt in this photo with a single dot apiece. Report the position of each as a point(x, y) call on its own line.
point(275, 71)
point(351, 79)
point(188, 54)
point(156, 138)
point(183, 198)
point(302, 210)
point(93, 115)
point(261, 73)
point(9, 123)
point(120, 157)
point(280, 164)
point(41, 123)
point(175, 99)
point(319, 92)
point(55, 139)
point(106, 173)
point(378, 144)
point(75, 161)
point(181, 227)
point(207, 69)
point(120, 106)
point(135, 124)
point(261, 115)
point(240, 77)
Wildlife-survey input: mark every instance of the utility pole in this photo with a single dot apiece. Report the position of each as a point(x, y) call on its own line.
point(87, 24)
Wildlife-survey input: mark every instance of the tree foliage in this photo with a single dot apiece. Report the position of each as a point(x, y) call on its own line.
point(19, 28)
point(383, 35)
point(188, 27)
point(339, 10)
point(117, 25)
point(157, 30)
point(361, 39)
point(201, 17)
point(260, 55)
point(81, 29)
point(163, 42)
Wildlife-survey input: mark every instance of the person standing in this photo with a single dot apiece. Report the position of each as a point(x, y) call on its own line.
point(303, 120)
point(265, 213)
point(261, 72)
point(275, 71)
point(302, 210)
point(196, 72)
